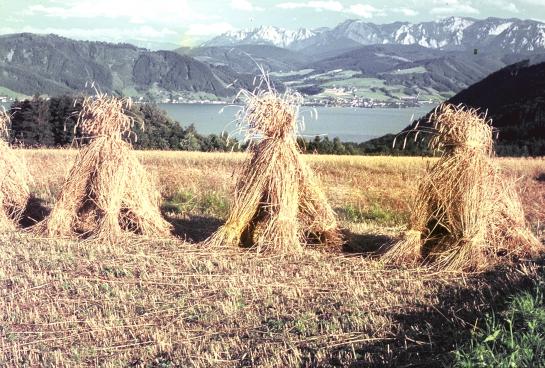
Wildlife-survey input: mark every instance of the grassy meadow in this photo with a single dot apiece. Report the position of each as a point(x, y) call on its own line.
point(172, 303)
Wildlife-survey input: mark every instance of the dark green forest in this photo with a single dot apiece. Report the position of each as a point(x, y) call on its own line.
point(40, 122)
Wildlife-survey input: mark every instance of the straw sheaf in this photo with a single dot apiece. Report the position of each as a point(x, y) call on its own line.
point(4, 124)
point(107, 193)
point(278, 205)
point(14, 179)
point(466, 216)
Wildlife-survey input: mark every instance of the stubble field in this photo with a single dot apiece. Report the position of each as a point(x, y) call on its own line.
point(170, 302)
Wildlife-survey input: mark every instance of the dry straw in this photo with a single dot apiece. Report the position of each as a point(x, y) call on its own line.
point(466, 216)
point(107, 193)
point(278, 205)
point(14, 179)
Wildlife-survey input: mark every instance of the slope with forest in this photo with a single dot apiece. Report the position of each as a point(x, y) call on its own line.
point(48, 64)
point(513, 97)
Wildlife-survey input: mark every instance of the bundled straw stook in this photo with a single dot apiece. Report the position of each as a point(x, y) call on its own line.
point(278, 205)
point(107, 192)
point(14, 179)
point(466, 216)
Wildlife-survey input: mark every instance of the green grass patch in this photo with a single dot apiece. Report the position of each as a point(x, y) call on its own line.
point(213, 203)
point(372, 88)
point(4, 91)
point(292, 73)
point(416, 70)
point(355, 82)
point(187, 202)
point(181, 202)
point(374, 213)
point(335, 75)
point(513, 338)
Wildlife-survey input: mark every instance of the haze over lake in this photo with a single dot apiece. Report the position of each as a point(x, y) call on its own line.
point(349, 124)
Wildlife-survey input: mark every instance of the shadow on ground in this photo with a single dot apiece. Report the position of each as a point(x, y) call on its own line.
point(35, 212)
point(427, 335)
point(193, 228)
point(366, 244)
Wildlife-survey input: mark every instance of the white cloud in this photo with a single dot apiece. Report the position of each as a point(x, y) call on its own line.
point(110, 34)
point(361, 10)
point(209, 29)
point(316, 5)
point(136, 11)
point(505, 5)
point(534, 2)
point(244, 5)
point(364, 10)
point(406, 12)
point(510, 7)
point(454, 7)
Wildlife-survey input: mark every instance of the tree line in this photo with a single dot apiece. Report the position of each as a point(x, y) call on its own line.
point(41, 122)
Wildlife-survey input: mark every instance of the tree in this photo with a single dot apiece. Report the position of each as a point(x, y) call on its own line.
point(31, 123)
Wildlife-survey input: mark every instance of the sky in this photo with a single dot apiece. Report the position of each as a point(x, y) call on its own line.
point(189, 22)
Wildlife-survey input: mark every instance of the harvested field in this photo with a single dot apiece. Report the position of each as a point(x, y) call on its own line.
point(170, 303)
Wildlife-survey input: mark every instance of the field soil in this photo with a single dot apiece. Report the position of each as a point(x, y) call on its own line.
point(174, 303)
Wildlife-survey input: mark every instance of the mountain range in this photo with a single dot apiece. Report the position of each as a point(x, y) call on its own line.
point(354, 60)
point(453, 33)
point(265, 35)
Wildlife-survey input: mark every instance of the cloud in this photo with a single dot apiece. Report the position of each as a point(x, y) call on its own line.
point(209, 29)
point(505, 5)
point(406, 12)
point(361, 10)
point(455, 7)
point(510, 7)
point(364, 10)
point(110, 34)
point(316, 5)
point(136, 11)
point(244, 5)
point(534, 2)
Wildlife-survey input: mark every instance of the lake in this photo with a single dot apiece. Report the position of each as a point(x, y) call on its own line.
point(349, 124)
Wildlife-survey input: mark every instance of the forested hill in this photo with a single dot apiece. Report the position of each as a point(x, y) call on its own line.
point(514, 98)
point(52, 65)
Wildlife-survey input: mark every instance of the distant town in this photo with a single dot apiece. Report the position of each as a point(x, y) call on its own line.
point(312, 101)
point(309, 101)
